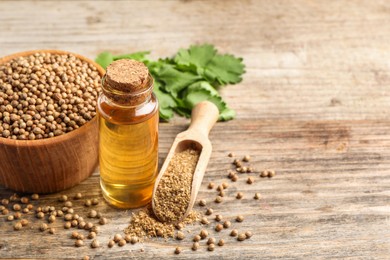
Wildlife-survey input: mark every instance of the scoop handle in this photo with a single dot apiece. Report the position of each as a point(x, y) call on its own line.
point(203, 117)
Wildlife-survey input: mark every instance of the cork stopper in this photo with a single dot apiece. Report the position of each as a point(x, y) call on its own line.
point(128, 76)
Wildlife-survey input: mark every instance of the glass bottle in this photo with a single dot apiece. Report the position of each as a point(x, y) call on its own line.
point(128, 136)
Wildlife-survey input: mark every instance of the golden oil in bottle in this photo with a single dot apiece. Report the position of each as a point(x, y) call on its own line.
point(128, 135)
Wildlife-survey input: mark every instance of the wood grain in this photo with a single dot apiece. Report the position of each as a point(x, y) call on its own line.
point(313, 105)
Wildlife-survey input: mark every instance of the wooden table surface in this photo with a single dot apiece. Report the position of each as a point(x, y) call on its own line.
point(314, 105)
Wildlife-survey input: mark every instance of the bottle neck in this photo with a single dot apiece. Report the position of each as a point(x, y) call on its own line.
point(124, 98)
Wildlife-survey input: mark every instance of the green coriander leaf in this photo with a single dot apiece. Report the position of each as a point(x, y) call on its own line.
point(104, 59)
point(166, 101)
point(225, 69)
point(175, 80)
point(227, 114)
point(195, 58)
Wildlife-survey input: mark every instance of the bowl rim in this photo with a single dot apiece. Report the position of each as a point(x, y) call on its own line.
point(55, 139)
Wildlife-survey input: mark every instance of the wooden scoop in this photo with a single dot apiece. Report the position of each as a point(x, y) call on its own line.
point(203, 117)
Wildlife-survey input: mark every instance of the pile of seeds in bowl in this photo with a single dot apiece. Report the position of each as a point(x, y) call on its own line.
point(45, 95)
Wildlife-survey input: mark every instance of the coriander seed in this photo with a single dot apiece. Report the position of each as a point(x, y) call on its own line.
point(180, 235)
point(74, 223)
point(18, 226)
point(248, 234)
point(218, 217)
point(87, 203)
point(218, 199)
point(220, 188)
point(241, 237)
point(63, 198)
point(24, 222)
point(110, 243)
point(95, 244)
point(246, 158)
point(95, 201)
point(17, 215)
point(240, 218)
point(221, 193)
point(231, 174)
point(24, 200)
point(209, 211)
point(40, 215)
point(67, 225)
point(91, 235)
point(218, 227)
point(211, 247)
point(203, 233)
point(234, 178)
point(244, 169)
point(10, 218)
point(5, 211)
point(134, 240)
point(271, 173)
point(225, 185)
point(211, 240)
point(249, 170)
point(80, 237)
point(16, 207)
point(195, 246)
point(250, 180)
point(88, 226)
point(117, 237)
point(179, 226)
point(227, 224)
point(51, 219)
point(202, 203)
point(43, 227)
point(5, 202)
point(68, 217)
point(35, 196)
point(257, 196)
point(234, 233)
point(231, 154)
point(82, 224)
point(78, 196)
point(210, 186)
point(52, 230)
point(204, 221)
point(103, 221)
point(177, 250)
point(122, 242)
point(264, 174)
point(92, 214)
point(196, 238)
point(221, 242)
point(239, 195)
point(79, 243)
point(74, 234)
point(68, 204)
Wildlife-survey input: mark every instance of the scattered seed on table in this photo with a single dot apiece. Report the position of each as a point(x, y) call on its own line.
point(237, 162)
point(24, 200)
point(211, 247)
point(99, 215)
point(241, 237)
point(177, 250)
point(40, 215)
point(92, 214)
point(218, 199)
point(246, 158)
point(117, 237)
point(74, 234)
point(234, 233)
point(249, 170)
point(51, 209)
point(75, 216)
point(204, 220)
point(87, 203)
point(30, 206)
point(5, 211)
point(5, 202)
point(43, 227)
point(218, 227)
point(91, 235)
point(221, 242)
point(103, 221)
point(271, 173)
point(202, 202)
point(95, 244)
point(70, 211)
point(231, 154)
point(248, 234)
point(225, 185)
point(220, 187)
point(68, 217)
point(80, 219)
point(81, 237)
point(159, 232)
point(82, 224)
point(24, 222)
point(95, 201)
point(218, 217)
point(79, 243)
point(239, 195)
point(244, 169)
point(211, 240)
point(16, 207)
point(134, 240)
point(240, 218)
point(51, 219)
point(74, 223)
point(78, 196)
point(127, 238)
point(238, 169)
point(60, 213)
point(10, 218)
point(2, 208)
point(231, 174)
point(14, 197)
point(196, 238)
point(203, 233)
point(209, 211)
point(264, 174)
point(195, 246)
point(234, 178)
point(227, 224)
point(88, 226)
point(250, 180)
point(122, 242)
point(67, 225)
point(221, 193)
point(52, 230)
point(86, 257)
point(211, 185)
point(180, 235)
point(257, 196)
point(179, 226)
point(110, 243)
point(18, 226)
point(63, 198)
point(95, 229)
point(68, 204)
point(35, 196)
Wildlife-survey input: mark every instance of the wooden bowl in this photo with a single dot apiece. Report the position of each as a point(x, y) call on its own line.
point(52, 164)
